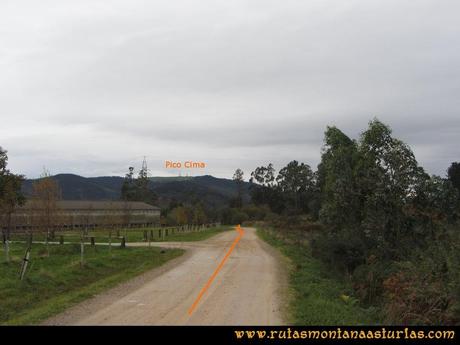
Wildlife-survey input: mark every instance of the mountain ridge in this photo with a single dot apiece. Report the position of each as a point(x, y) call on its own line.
point(210, 190)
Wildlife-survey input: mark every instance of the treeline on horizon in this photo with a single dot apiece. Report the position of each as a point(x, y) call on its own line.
point(373, 215)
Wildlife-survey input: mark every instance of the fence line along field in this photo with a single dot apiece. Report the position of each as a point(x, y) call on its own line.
point(77, 264)
point(94, 235)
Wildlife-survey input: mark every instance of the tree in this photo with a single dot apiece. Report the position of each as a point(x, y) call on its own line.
point(199, 215)
point(367, 188)
point(264, 190)
point(180, 215)
point(269, 176)
point(257, 186)
point(138, 189)
point(127, 214)
point(433, 205)
point(238, 179)
point(128, 187)
point(10, 198)
point(388, 178)
point(45, 195)
point(340, 207)
point(143, 191)
point(295, 182)
point(453, 174)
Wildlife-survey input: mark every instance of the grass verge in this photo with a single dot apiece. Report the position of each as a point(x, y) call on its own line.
point(319, 297)
point(56, 282)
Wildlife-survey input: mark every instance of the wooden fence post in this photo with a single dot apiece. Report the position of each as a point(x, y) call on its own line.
point(25, 262)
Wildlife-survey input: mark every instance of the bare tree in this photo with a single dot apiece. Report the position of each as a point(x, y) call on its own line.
point(127, 215)
point(107, 220)
point(45, 195)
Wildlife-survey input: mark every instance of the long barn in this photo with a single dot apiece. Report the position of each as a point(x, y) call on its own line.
point(77, 214)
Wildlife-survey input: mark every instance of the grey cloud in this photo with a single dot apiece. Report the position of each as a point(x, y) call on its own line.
point(254, 81)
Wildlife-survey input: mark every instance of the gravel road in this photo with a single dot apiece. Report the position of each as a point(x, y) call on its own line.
point(249, 290)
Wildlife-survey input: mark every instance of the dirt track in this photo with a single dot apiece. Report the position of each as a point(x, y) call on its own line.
point(247, 291)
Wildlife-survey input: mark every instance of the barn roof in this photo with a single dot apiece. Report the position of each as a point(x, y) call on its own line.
point(96, 205)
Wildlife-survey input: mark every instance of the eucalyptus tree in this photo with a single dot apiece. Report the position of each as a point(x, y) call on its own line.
point(337, 181)
point(239, 180)
point(389, 178)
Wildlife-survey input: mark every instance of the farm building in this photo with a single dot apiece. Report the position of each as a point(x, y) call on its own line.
point(78, 214)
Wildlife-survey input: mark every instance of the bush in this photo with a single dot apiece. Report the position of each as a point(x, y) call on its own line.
point(233, 216)
point(238, 217)
point(425, 289)
point(339, 250)
point(368, 279)
point(254, 212)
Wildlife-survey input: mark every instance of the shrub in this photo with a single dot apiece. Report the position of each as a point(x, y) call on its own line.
point(368, 279)
point(232, 216)
point(424, 290)
point(339, 250)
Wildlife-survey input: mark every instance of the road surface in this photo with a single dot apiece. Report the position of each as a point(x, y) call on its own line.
point(248, 290)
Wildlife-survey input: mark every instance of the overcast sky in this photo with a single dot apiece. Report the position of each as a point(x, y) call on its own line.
point(90, 87)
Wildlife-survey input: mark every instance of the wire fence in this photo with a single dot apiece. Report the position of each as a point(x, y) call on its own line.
point(116, 234)
point(92, 237)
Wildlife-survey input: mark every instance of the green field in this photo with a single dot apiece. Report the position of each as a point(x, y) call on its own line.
point(318, 296)
point(56, 281)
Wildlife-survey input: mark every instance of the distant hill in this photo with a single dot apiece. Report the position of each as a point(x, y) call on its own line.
point(163, 179)
point(210, 190)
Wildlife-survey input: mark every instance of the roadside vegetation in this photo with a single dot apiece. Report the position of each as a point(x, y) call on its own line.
point(318, 295)
point(56, 280)
point(371, 214)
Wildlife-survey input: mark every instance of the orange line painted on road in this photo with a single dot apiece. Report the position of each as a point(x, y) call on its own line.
point(208, 284)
